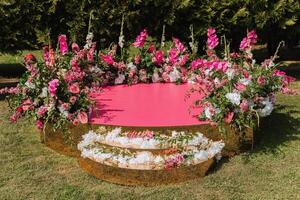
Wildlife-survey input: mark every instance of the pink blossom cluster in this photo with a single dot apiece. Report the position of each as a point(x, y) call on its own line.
point(63, 45)
point(174, 161)
point(10, 90)
point(52, 87)
point(248, 41)
point(212, 38)
point(141, 39)
point(147, 134)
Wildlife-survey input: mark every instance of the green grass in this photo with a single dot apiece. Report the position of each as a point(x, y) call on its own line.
point(10, 65)
point(29, 170)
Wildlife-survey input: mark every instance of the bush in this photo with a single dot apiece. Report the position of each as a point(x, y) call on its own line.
point(27, 23)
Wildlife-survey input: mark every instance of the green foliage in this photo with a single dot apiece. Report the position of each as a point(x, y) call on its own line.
point(29, 23)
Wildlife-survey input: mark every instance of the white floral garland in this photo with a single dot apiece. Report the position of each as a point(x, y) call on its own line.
point(115, 138)
point(146, 160)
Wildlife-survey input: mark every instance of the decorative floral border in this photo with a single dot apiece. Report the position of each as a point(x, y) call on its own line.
point(146, 160)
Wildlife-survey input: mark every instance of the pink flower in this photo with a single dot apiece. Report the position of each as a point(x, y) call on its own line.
point(82, 117)
point(197, 63)
point(41, 111)
point(73, 99)
point(63, 46)
point(46, 55)
point(26, 105)
point(143, 75)
point(180, 47)
point(75, 122)
point(244, 105)
point(75, 47)
point(229, 117)
point(212, 39)
point(183, 59)
point(151, 48)
point(240, 87)
point(140, 39)
point(51, 58)
point(174, 161)
point(173, 55)
point(137, 59)
point(65, 106)
point(74, 88)
point(261, 80)
point(39, 124)
point(166, 77)
point(278, 73)
point(108, 59)
point(158, 57)
point(248, 41)
point(90, 54)
point(52, 87)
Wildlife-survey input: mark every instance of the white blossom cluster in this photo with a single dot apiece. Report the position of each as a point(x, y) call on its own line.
point(145, 159)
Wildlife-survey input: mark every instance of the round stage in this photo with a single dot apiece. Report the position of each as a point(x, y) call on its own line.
point(145, 105)
point(145, 134)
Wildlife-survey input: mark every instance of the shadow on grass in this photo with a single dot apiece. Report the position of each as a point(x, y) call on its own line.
point(274, 132)
point(11, 69)
point(277, 129)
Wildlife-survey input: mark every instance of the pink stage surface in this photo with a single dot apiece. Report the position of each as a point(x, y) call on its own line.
point(145, 105)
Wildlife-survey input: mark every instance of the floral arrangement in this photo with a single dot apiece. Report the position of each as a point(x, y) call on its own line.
point(237, 90)
point(148, 139)
point(149, 64)
point(92, 147)
point(57, 89)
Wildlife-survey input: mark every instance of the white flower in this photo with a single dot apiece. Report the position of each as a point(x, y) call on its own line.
point(267, 110)
point(44, 92)
point(131, 66)
point(121, 41)
point(30, 85)
point(155, 77)
point(245, 81)
point(120, 79)
point(208, 113)
point(174, 75)
point(234, 98)
point(230, 73)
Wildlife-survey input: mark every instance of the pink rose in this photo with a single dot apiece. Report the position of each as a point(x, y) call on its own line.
point(244, 105)
point(151, 48)
point(137, 59)
point(75, 122)
point(229, 117)
point(42, 110)
point(75, 47)
point(74, 88)
point(26, 105)
point(261, 80)
point(73, 99)
point(240, 87)
point(39, 124)
point(65, 106)
point(82, 117)
point(52, 87)
point(108, 59)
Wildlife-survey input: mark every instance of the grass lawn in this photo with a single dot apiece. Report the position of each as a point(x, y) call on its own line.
point(29, 170)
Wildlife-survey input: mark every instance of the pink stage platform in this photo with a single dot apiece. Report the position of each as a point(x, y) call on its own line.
point(145, 105)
